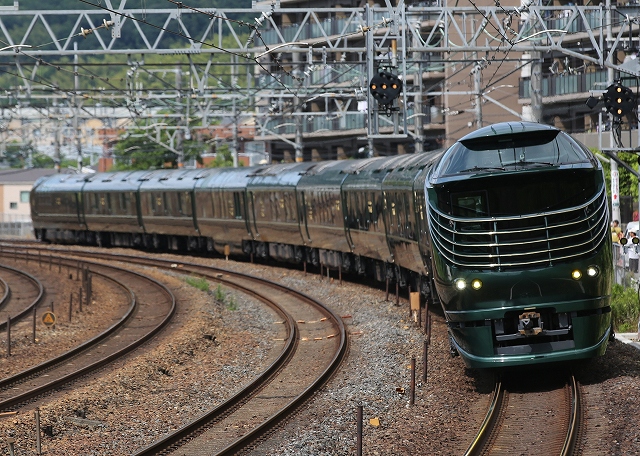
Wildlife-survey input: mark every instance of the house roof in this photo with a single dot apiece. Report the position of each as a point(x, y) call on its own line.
point(25, 176)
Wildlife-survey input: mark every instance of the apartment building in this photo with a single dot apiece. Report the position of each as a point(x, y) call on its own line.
point(462, 70)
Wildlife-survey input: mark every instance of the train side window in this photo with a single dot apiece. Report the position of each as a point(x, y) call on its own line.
point(321, 208)
point(262, 205)
point(158, 203)
point(122, 202)
point(185, 204)
point(230, 209)
point(390, 213)
point(168, 203)
point(310, 204)
point(237, 211)
point(204, 204)
point(215, 196)
point(276, 206)
point(291, 205)
point(407, 215)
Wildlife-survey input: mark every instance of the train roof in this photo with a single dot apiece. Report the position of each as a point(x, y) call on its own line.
point(511, 147)
point(115, 181)
point(228, 178)
point(286, 174)
point(173, 179)
point(61, 183)
point(409, 170)
point(508, 128)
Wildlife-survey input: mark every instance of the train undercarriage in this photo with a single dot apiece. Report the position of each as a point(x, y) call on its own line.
point(344, 262)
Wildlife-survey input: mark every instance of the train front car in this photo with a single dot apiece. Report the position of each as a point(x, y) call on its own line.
point(518, 221)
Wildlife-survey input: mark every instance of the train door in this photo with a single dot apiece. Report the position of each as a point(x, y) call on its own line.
point(80, 209)
point(138, 200)
point(246, 208)
point(190, 197)
point(302, 216)
point(349, 216)
point(253, 227)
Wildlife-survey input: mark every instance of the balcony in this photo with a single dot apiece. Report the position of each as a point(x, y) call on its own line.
point(558, 85)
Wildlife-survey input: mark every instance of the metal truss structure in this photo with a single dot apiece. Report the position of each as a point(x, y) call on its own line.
point(281, 62)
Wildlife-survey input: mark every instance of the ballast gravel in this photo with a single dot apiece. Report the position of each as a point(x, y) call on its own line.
point(221, 339)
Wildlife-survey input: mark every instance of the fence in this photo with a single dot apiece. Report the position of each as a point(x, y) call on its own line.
point(13, 225)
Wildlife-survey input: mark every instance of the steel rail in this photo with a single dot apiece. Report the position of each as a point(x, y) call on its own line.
point(217, 275)
point(29, 309)
point(63, 358)
point(573, 432)
point(488, 424)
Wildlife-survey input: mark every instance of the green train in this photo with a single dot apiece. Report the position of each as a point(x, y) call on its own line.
point(507, 230)
point(521, 251)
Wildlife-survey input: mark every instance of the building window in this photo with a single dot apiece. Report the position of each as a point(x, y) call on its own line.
point(13, 205)
point(24, 197)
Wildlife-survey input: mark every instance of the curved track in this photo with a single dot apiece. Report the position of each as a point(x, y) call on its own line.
point(546, 419)
point(151, 307)
point(313, 349)
point(22, 293)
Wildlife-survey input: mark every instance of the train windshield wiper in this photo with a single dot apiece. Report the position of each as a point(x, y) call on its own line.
point(535, 163)
point(483, 168)
point(525, 163)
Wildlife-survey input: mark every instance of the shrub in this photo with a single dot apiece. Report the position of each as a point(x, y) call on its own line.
point(625, 308)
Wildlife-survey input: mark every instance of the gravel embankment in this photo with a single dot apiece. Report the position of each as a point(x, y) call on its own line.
point(212, 348)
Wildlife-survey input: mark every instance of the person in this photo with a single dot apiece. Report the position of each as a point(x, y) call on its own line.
point(632, 252)
point(616, 231)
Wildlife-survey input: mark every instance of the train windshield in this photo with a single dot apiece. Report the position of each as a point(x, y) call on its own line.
point(511, 152)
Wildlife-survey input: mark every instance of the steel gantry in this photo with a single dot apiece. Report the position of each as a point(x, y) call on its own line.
point(302, 74)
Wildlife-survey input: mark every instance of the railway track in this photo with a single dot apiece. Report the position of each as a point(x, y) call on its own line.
point(22, 293)
point(522, 418)
point(312, 350)
point(151, 306)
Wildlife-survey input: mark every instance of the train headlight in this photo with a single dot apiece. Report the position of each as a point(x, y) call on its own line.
point(476, 284)
point(593, 271)
point(576, 274)
point(460, 284)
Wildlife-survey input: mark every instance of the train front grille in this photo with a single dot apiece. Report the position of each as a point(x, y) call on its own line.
point(542, 239)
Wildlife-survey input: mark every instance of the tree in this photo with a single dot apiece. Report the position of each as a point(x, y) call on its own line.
point(224, 158)
point(628, 183)
point(136, 151)
point(16, 154)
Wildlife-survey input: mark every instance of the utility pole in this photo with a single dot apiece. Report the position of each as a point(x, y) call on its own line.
point(477, 90)
point(179, 131)
point(615, 182)
point(234, 141)
point(76, 107)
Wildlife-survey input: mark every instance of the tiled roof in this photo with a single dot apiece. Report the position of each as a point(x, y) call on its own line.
point(25, 176)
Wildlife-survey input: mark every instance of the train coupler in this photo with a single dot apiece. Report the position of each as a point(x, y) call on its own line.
point(530, 324)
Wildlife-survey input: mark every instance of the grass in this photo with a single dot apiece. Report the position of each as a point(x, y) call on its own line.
point(220, 295)
point(198, 282)
point(625, 308)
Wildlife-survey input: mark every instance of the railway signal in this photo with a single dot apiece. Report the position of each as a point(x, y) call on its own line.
point(619, 100)
point(385, 87)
